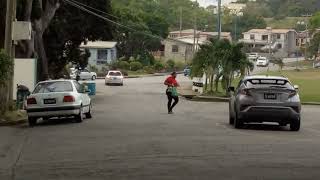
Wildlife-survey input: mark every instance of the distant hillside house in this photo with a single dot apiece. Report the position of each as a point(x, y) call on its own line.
point(235, 8)
point(101, 52)
point(182, 45)
point(278, 40)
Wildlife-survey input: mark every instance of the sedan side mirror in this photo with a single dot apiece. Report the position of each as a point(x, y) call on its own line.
point(231, 89)
point(296, 87)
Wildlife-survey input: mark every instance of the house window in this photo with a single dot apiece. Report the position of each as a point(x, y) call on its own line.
point(112, 55)
point(264, 37)
point(252, 36)
point(102, 54)
point(175, 48)
point(278, 36)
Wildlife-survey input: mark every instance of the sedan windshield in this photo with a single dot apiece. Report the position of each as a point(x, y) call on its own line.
point(58, 86)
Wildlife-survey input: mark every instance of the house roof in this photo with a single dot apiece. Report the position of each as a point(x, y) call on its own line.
point(266, 31)
point(99, 44)
point(190, 40)
point(186, 31)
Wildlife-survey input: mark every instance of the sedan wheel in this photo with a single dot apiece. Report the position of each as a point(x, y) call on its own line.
point(79, 117)
point(93, 77)
point(88, 114)
point(32, 121)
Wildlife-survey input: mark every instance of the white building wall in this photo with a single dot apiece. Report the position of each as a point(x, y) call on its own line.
point(25, 73)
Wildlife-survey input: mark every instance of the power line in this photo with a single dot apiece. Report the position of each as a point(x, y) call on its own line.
point(70, 2)
point(82, 4)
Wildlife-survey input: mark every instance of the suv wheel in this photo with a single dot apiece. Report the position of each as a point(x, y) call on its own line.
point(231, 119)
point(295, 125)
point(32, 121)
point(238, 123)
point(93, 77)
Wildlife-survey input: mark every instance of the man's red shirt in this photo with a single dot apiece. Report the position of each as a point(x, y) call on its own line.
point(172, 81)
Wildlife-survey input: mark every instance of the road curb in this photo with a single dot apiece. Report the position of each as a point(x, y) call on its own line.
point(210, 99)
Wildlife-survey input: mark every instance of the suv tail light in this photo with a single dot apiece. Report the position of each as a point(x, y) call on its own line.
point(292, 93)
point(68, 99)
point(31, 101)
point(245, 92)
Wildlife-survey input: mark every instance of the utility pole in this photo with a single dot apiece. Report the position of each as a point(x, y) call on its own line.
point(219, 19)
point(8, 43)
point(195, 30)
point(180, 21)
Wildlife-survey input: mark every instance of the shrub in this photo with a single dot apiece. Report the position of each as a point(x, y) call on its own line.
point(148, 69)
point(158, 66)
point(5, 66)
point(179, 66)
point(124, 65)
point(134, 66)
point(170, 64)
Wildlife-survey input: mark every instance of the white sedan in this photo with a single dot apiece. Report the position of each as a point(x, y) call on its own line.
point(58, 98)
point(83, 74)
point(262, 61)
point(114, 77)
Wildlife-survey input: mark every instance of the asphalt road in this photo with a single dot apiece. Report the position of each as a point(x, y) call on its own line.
point(132, 137)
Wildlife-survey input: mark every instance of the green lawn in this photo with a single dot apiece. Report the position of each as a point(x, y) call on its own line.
point(308, 81)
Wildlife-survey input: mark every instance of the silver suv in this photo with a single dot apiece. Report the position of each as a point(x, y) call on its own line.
point(261, 99)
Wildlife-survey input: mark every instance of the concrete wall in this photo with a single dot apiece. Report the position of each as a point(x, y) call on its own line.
point(184, 53)
point(25, 73)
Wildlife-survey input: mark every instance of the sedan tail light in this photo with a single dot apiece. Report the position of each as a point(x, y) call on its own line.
point(68, 99)
point(31, 101)
point(245, 92)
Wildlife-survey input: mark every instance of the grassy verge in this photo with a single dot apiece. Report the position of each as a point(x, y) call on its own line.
point(308, 81)
point(13, 117)
point(301, 64)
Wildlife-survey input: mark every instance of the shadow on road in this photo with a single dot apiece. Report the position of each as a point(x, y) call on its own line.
point(265, 127)
point(52, 122)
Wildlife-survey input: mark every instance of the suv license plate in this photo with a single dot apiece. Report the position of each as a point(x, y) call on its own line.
point(271, 96)
point(49, 101)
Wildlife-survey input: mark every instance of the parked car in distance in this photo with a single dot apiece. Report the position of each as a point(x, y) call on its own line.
point(262, 61)
point(187, 71)
point(316, 65)
point(253, 56)
point(58, 98)
point(114, 77)
point(261, 99)
point(83, 74)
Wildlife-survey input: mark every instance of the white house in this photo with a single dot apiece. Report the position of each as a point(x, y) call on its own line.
point(101, 52)
point(235, 8)
point(278, 40)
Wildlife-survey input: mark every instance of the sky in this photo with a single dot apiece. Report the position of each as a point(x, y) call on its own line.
point(206, 3)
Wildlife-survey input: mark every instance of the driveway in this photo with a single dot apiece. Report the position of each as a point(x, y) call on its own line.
point(131, 136)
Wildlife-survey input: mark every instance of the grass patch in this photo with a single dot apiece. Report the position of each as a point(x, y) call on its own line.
point(137, 73)
point(13, 117)
point(308, 81)
point(301, 64)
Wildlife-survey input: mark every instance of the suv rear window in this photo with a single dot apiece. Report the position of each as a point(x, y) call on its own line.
point(114, 73)
point(259, 83)
point(58, 86)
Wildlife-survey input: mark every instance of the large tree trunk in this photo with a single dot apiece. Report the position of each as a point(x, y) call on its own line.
point(35, 47)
